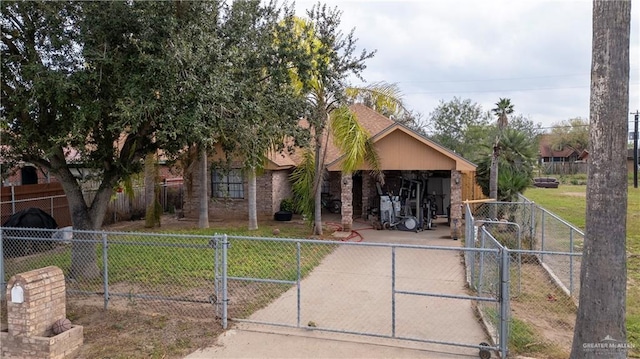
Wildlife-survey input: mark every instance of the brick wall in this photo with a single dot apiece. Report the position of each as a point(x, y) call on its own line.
point(281, 188)
point(271, 187)
point(35, 300)
point(44, 302)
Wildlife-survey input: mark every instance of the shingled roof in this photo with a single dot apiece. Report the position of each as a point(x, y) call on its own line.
point(546, 149)
point(380, 128)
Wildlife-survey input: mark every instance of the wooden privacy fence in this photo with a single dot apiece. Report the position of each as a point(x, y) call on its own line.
point(49, 197)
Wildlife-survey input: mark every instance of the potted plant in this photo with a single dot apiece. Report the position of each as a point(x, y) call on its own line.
point(287, 207)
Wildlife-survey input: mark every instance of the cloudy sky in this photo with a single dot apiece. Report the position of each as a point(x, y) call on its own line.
point(535, 52)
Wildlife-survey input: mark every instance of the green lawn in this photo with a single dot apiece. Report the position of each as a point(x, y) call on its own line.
point(569, 202)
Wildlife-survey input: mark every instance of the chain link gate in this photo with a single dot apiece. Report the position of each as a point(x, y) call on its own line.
point(404, 292)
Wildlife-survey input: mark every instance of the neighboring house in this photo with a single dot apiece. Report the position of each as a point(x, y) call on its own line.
point(584, 157)
point(24, 174)
point(567, 160)
point(403, 153)
point(26, 185)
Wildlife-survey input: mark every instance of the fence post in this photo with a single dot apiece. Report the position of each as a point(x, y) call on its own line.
point(298, 280)
point(216, 273)
point(13, 199)
point(225, 300)
point(542, 239)
point(105, 263)
point(481, 265)
point(532, 229)
point(470, 238)
point(504, 302)
point(3, 283)
point(393, 292)
point(570, 261)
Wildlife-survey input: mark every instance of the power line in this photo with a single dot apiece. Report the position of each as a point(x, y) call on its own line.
point(503, 91)
point(494, 91)
point(490, 80)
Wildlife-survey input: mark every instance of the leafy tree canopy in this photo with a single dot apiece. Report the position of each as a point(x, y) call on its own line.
point(102, 84)
point(459, 125)
point(570, 133)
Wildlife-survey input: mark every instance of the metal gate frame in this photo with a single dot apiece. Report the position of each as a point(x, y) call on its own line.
point(222, 245)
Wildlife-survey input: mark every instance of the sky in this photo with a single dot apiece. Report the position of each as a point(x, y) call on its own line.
point(535, 52)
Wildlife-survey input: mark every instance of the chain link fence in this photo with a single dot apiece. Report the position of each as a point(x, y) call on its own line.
point(149, 272)
point(393, 291)
point(521, 266)
point(544, 271)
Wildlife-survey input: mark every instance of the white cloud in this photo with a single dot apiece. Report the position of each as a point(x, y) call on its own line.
point(537, 53)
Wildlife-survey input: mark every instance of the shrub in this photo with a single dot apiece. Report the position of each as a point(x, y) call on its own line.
point(287, 205)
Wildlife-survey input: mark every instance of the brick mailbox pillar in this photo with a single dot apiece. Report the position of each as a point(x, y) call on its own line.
point(35, 301)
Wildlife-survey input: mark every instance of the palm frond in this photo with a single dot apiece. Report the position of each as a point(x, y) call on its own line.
point(302, 183)
point(381, 96)
point(373, 159)
point(350, 137)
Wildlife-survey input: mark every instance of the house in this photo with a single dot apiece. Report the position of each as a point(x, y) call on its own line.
point(404, 155)
point(584, 157)
point(567, 160)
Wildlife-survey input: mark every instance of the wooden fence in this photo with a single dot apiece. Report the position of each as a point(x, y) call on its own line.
point(49, 197)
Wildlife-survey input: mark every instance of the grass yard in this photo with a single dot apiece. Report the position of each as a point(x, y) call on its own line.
point(142, 328)
point(569, 202)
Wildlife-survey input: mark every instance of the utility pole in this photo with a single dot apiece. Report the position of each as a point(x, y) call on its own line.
point(635, 149)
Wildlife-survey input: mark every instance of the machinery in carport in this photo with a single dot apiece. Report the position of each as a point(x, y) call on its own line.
point(410, 210)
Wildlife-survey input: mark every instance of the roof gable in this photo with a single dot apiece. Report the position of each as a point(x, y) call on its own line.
point(399, 147)
point(546, 149)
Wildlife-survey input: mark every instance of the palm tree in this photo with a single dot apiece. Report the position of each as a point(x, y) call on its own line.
point(353, 141)
point(603, 276)
point(518, 155)
point(333, 57)
point(502, 109)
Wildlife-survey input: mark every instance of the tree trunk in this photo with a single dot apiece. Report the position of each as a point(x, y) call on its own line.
point(84, 260)
point(253, 211)
point(317, 187)
point(152, 206)
point(603, 277)
point(493, 180)
point(203, 216)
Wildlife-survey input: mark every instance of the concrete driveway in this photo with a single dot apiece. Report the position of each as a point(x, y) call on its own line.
point(351, 290)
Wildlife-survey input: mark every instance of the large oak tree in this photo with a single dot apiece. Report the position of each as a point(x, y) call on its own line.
point(102, 84)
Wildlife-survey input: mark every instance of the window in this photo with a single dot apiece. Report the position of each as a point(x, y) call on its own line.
point(227, 184)
point(29, 175)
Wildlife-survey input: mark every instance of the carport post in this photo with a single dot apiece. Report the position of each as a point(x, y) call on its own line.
point(3, 284)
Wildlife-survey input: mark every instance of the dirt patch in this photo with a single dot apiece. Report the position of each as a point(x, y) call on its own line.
point(135, 333)
point(546, 309)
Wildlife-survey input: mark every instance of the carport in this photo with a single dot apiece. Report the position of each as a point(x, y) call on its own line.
point(404, 155)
